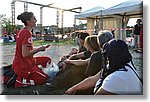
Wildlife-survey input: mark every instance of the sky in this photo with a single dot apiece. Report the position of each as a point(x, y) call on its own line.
point(49, 14)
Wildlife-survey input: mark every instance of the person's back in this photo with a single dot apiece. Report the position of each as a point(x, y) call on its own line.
point(95, 64)
point(120, 77)
point(123, 82)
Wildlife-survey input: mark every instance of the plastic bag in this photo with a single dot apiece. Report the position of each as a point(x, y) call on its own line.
point(51, 70)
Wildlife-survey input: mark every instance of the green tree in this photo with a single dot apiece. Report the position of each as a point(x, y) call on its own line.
point(6, 23)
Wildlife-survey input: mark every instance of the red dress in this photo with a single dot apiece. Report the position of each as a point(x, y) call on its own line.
point(26, 67)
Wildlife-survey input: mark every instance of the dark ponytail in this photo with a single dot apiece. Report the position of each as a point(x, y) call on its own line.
point(19, 17)
point(25, 16)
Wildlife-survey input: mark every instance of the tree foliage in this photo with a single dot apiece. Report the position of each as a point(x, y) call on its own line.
point(6, 23)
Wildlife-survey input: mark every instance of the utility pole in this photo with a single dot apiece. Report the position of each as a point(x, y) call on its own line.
point(62, 21)
point(25, 6)
point(41, 17)
point(13, 12)
point(57, 19)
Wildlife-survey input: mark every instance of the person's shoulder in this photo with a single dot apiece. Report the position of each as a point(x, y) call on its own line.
point(96, 55)
point(121, 73)
point(86, 51)
point(115, 76)
point(25, 32)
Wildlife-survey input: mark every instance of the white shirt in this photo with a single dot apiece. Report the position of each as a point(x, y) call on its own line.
point(123, 82)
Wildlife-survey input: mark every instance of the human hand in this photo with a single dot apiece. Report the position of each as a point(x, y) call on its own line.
point(67, 61)
point(42, 48)
point(47, 46)
point(63, 58)
point(73, 51)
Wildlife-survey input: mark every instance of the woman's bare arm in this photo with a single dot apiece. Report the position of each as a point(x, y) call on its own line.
point(78, 62)
point(26, 52)
point(85, 84)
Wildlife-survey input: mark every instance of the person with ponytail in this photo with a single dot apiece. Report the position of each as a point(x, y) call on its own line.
point(25, 65)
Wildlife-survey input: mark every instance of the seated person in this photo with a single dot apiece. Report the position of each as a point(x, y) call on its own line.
point(120, 77)
point(89, 66)
point(25, 65)
point(92, 45)
point(94, 63)
point(96, 60)
point(80, 53)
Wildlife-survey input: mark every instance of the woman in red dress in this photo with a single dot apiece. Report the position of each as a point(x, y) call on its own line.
point(24, 64)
